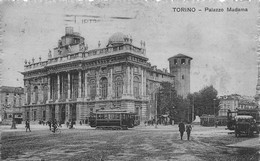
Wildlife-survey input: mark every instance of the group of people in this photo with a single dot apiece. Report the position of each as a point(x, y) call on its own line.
point(183, 128)
point(71, 123)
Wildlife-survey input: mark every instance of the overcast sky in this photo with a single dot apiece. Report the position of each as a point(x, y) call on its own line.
point(223, 45)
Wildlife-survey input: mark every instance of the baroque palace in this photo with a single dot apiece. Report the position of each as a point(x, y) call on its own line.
point(75, 81)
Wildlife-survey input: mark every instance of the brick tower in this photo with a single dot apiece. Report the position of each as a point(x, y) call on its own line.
point(180, 68)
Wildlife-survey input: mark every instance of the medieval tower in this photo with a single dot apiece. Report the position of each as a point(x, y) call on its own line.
point(180, 68)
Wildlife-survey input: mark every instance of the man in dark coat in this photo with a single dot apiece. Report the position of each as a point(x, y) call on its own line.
point(188, 130)
point(181, 128)
point(27, 125)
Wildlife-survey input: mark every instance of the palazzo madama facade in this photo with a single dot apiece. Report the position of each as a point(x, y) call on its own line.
point(76, 81)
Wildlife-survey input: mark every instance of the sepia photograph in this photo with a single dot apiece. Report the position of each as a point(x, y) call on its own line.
point(129, 80)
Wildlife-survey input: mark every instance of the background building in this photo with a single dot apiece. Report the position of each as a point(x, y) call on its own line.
point(11, 102)
point(75, 81)
point(234, 102)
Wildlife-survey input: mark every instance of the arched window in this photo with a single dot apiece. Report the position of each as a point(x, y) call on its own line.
point(92, 89)
point(136, 87)
point(28, 94)
point(36, 92)
point(118, 87)
point(103, 87)
point(45, 93)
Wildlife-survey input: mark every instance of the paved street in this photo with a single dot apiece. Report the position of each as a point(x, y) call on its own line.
point(140, 143)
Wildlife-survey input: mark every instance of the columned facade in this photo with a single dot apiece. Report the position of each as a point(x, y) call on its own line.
point(76, 83)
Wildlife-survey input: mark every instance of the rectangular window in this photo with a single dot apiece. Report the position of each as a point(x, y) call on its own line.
point(14, 99)
point(34, 115)
point(28, 115)
point(182, 61)
point(175, 61)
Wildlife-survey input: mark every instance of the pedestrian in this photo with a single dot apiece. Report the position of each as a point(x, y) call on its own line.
point(181, 128)
point(188, 130)
point(67, 123)
point(60, 124)
point(54, 125)
point(49, 123)
point(80, 123)
point(216, 124)
point(27, 125)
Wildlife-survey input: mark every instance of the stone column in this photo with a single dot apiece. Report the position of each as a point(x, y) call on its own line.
point(144, 78)
point(57, 112)
point(97, 86)
point(86, 85)
point(128, 81)
point(79, 86)
point(142, 83)
point(110, 89)
point(67, 111)
point(132, 81)
point(32, 94)
point(49, 87)
point(68, 85)
point(58, 84)
point(26, 95)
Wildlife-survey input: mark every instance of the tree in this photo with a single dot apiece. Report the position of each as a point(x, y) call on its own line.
point(169, 103)
point(205, 101)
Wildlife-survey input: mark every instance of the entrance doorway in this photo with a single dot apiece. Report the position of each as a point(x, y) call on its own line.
point(52, 112)
point(62, 113)
point(73, 111)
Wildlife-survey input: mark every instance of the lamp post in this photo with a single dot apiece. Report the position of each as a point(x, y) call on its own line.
point(156, 96)
point(214, 106)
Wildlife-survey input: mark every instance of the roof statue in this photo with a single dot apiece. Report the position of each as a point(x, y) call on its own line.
point(49, 54)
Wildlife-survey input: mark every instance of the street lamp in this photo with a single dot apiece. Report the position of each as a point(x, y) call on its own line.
point(214, 106)
point(156, 96)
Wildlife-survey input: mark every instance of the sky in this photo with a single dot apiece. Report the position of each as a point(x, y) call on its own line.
point(222, 45)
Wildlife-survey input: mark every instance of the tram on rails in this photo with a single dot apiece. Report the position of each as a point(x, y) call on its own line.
point(113, 119)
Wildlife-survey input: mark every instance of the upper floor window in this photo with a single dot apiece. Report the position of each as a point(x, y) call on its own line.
point(103, 87)
point(35, 90)
point(93, 89)
point(136, 86)
point(175, 61)
point(14, 99)
point(6, 98)
point(118, 87)
point(182, 61)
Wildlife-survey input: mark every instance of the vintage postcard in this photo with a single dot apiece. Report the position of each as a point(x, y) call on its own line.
point(129, 80)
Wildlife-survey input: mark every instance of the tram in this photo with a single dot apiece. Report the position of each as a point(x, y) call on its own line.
point(113, 119)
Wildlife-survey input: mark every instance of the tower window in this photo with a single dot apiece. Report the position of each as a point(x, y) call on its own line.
point(182, 77)
point(175, 61)
point(182, 61)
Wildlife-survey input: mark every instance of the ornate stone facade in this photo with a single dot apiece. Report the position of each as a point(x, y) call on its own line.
point(11, 102)
point(75, 81)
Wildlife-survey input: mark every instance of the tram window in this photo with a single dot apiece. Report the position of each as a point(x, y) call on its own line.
point(123, 116)
point(105, 116)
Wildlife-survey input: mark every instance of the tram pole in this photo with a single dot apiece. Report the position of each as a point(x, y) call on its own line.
point(156, 96)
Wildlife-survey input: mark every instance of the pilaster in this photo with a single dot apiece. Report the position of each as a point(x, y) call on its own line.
point(57, 112)
point(79, 86)
point(58, 84)
point(68, 85)
point(49, 88)
point(86, 85)
point(97, 86)
point(110, 84)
